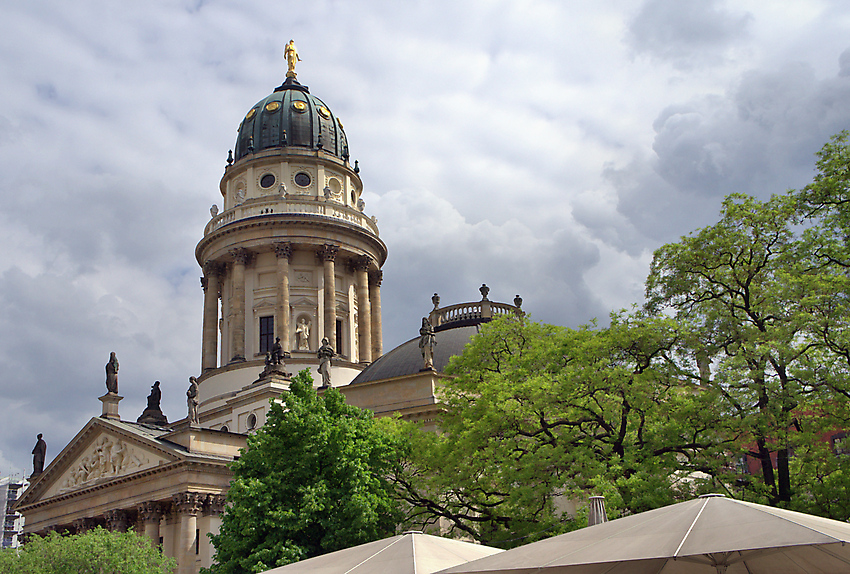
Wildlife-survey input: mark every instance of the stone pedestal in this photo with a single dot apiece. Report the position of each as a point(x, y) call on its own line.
point(110, 406)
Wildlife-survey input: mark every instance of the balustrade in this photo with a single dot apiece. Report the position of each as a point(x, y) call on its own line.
point(278, 206)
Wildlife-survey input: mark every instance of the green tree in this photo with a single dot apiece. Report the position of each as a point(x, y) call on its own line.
point(765, 304)
point(736, 285)
point(312, 480)
point(537, 414)
point(95, 552)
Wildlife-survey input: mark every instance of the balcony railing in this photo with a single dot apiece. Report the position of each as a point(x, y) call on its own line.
point(276, 205)
point(470, 313)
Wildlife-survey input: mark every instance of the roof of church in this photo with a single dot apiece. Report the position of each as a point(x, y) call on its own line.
point(291, 117)
point(406, 359)
point(454, 326)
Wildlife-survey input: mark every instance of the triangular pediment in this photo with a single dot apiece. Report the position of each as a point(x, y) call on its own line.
point(102, 452)
point(266, 303)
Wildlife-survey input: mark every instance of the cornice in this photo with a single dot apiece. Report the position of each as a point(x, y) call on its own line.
point(289, 219)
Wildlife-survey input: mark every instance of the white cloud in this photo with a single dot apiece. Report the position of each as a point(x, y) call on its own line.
point(519, 144)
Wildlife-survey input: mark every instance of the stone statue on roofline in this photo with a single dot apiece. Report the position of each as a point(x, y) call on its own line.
point(427, 340)
point(112, 374)
point(274, 361)
point(39, 452)
point(192, 401)
point(153, 413)
point(325, 354)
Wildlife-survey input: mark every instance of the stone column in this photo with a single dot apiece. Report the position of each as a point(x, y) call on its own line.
point(117, 520)
point(284, 256)
point(187, 505)
point(210, 283)
point(328, 254)
point(212, 518)
point(241, 257)
point(82, 525)
point(364, 313)
point(151, 514)
point(375, 278)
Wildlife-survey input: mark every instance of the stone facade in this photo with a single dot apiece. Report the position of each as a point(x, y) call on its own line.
point(168, 484)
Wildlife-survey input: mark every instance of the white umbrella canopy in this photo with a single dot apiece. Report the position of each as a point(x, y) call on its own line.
point(408, 553)
point(709, 535)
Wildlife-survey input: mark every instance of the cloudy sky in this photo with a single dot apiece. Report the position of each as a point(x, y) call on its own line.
point(543, 147)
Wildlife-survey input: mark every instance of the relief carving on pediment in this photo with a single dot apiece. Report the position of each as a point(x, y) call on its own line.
point(109, 457)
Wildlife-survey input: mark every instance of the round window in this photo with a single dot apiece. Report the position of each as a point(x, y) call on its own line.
point(267, 180)
point(252, 421)
point(302, 179)
point(225, 429)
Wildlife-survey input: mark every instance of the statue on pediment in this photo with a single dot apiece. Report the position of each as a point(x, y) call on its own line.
point(153, 413)
point(112, 374)
point(38, 454)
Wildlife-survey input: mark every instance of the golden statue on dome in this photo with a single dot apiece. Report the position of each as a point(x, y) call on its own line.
point(290, 54)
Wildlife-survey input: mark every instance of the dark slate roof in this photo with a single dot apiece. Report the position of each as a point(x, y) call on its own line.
point(406, 359)
point(291, 116)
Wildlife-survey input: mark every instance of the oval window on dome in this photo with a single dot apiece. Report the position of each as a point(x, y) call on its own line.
point(272, 106)
point(251, 113)
point(325, 112)
point(299, 106)
point(267, 180)
point(302, 179)
point(252, 421)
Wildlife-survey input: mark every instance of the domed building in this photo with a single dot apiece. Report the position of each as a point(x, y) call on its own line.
point(291, 257)
point(291, 277)
point(401, 382)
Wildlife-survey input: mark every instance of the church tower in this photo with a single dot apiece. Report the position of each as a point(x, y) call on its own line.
point(291, 254)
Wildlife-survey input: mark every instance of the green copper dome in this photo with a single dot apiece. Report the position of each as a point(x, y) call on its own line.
point(291, 117)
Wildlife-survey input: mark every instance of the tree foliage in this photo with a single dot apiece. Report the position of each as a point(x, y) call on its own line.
point(95, 552)
point(537, 414)
point(763, 294)
point(312, 480)
point(742, 349)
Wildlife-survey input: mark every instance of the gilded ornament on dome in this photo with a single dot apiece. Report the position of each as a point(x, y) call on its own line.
point(251, 114)
point(290, 54)
point(272, 106)
point(325, 112)
point(299, 106)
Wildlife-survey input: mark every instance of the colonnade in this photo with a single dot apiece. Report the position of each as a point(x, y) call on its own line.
point(367, 284)
point(172, 522)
